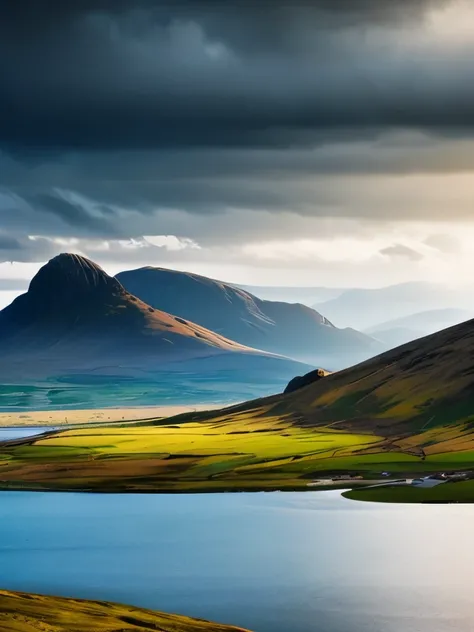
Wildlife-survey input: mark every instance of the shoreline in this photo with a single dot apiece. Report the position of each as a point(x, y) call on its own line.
point(55, 418)
point(343, 491)
point(21, 610)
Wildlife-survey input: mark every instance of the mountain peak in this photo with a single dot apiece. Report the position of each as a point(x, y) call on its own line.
point(68, 271)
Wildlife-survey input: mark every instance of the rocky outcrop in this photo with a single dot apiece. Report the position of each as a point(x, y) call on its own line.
point(300, 381)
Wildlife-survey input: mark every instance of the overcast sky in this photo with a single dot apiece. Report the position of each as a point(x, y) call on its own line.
point(311, 142)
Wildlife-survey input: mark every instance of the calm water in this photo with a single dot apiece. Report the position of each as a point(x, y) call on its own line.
point(271, 562)
point(77, 392)
point(23, 431)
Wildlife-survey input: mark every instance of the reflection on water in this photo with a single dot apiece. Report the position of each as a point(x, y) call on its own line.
point(277, 562)
point(23, 431)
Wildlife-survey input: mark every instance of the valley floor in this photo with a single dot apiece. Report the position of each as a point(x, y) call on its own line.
point(230, 450)
point(21, 612)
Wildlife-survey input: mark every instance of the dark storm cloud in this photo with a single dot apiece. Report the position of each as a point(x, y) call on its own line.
point(149, 74)
point(9, 243)
point(24, 213)
point(24, 249)
point(400, 250)
point(73, 213)
point(122, 118)
point(28, 15)
point(213, 197)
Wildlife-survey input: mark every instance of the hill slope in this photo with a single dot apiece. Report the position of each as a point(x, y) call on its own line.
point(77, 319)
point(290, 329)
point(423, 384)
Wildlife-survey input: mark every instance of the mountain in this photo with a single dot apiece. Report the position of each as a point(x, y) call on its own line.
point(401, 330)
point(366, 308)
point(306, 295)
point(75, 320)
point(294, 330)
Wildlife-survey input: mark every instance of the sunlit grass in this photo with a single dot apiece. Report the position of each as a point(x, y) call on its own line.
point(20, 612)
point(231, 450)
point(265, 440)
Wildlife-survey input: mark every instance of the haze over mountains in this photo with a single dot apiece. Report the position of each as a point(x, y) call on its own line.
point(401, 330)
point(77, 320)
point(366, 308)
point(306, 295)
point(294, 330)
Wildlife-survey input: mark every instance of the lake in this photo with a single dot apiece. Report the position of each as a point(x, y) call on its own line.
point(281, 562)
point(78, 392)
point(19, 432)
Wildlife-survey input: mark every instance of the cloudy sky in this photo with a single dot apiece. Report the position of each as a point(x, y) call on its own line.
point(311, 142)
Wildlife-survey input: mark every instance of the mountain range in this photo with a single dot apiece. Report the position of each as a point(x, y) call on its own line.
point(294, 330)
point(77, 320)
point(401, 330)
point(297, 294)
point(365, 308)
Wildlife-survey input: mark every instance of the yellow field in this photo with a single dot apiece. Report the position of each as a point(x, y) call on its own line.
point(271, 439)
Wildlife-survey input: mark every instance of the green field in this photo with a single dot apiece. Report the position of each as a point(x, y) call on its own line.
point(228, 450)
point(21, 612)
point(459, 492)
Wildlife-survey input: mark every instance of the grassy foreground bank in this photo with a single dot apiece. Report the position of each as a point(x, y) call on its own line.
point(22, 612)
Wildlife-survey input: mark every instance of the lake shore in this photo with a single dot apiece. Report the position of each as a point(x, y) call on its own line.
point(96, 415)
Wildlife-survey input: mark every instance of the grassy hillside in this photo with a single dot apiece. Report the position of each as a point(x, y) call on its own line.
point(21, 612)
point(422, 385)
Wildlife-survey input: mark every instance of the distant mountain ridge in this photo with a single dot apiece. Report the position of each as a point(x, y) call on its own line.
point(292, 294)
point(293, 330)
point(75, 318)
point(407, 328)
point(365, 308)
